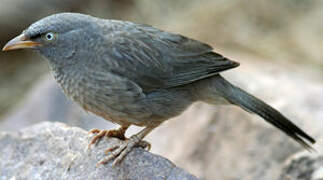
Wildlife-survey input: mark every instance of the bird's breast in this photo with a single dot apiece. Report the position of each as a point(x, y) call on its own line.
point(109, 96)
point(70, 82)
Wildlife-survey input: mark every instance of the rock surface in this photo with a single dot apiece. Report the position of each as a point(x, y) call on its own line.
point(228, 143)
point(303, 166)
point(215, 142)
point(55, 151)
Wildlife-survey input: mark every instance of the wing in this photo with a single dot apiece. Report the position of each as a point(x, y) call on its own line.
point(156, 59)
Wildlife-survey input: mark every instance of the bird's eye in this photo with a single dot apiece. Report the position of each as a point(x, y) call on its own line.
point(49, 36)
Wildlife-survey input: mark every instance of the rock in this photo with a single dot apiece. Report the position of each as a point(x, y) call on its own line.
point(228, 143)
point(46, 102)
point(215, 142)
point(303, 166)
point(55, 151)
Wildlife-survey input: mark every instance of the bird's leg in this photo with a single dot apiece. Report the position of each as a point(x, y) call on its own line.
point(117, 133)
point(119, 151)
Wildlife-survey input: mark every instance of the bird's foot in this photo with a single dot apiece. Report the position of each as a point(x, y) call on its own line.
point(120, 150)
point(117, 133)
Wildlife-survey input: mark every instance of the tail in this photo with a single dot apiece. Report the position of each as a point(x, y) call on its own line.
point(245, 100)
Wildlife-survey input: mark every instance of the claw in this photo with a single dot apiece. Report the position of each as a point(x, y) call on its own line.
point(101, 133)
point(119, 133)
point(94, 131)
point(119, 151)
point(107, 151)
point(116, 133)
point(115, 154)
point(121, 155)
point(144, 144)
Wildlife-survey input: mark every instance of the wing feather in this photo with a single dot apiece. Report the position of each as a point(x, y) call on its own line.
point(157, 59)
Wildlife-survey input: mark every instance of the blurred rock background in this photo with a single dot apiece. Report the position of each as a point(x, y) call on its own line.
point(278, 44)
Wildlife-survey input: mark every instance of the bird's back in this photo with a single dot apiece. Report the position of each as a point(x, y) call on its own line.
point(156, 59)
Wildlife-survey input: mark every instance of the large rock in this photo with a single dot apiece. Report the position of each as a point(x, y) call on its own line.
point(228, 143)
point(303, 166)
point(46, 102)
point(211, 142)
point(55, 151)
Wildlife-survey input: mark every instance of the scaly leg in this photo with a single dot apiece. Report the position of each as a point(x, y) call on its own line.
point(117, 133)
point(119, 151)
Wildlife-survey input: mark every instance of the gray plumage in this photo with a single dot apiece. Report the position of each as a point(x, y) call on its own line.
point(131, 73)
point(125, 70)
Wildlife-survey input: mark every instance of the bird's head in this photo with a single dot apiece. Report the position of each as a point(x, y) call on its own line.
point(59, 37)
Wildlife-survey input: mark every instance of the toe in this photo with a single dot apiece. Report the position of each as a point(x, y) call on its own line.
point(119, 158)
point(116, 134)
point(120, 150)
point(114, 147)
point(94, 131)
point(144, 144)
point(113, 153)
point(119, 155)
point(97, 137)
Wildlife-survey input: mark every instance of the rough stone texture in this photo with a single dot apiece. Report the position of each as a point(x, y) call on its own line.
point(303, 166)
point(214, 142)
point(211, 142)
point(227, 143)
point(55, 151)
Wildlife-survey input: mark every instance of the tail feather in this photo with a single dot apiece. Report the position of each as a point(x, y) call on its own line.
point(243, 99)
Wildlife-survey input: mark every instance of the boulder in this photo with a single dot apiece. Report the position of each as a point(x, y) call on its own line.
point(303, 166)
point(225, 142)
point(211, 142)
point(55, 151)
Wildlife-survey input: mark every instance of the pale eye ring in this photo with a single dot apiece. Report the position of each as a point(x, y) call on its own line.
point(49, 36)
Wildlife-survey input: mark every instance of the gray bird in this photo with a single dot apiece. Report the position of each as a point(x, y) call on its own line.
point(135, 74)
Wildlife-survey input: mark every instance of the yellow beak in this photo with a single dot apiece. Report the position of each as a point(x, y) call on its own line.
point(20, 42)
